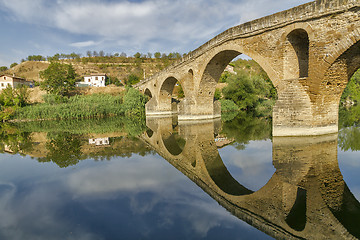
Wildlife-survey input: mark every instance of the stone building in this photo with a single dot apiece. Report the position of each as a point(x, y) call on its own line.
point(12, 81)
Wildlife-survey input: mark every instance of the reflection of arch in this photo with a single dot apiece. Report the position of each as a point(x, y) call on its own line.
point(296, 219)
point(348, 213)
point(148, 92)
point(219, 173)
point(297, 54)
point(174, 144)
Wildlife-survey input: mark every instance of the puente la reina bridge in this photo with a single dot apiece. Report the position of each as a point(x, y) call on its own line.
point(309, 52)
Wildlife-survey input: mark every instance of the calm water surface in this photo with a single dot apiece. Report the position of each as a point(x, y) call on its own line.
point(112, 179)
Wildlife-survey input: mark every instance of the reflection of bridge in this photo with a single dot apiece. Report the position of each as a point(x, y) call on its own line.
point(305, 198)
point(309, 53)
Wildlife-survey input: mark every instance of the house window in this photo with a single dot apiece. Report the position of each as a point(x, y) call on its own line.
point(4, 78)
point(2, 84)
point(89, 80)
point(96, 78)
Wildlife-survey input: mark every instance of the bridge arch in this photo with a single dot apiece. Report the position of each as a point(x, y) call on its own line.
point(340, 46)
point(224, 54)
point(147, 92)
point(296, 61)
point(335, 80)
point(165, 100)
point(296, 51)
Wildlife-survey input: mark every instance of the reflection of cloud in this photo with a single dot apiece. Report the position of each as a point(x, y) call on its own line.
point(152, 188)
point(253, 167)
point(349, 158)
point(143, 197)
point(33, 215)
point(125, 175)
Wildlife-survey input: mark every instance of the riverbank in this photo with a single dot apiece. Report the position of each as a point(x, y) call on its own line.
point(129, 102)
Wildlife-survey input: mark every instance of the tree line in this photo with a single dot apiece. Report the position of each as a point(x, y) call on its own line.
point(99, 56)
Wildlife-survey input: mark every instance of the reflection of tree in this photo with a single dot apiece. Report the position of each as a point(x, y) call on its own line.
point(349, 139)
point(64, 149)
point(245, 127)
point(349, 116)
point(15, 140)
point(349, 133)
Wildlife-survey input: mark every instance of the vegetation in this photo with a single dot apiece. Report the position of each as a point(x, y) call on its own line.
point(10, 100)
point(248, 89)
point(351, 94)
point(132, 103)
point(65, 139)
point(58, 78)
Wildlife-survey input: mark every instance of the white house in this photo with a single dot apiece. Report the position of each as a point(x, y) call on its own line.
point(94, 80)
point(230, 69)
point(12, 81)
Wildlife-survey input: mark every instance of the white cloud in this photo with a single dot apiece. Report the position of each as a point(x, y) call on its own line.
point(84, 44)
point(176, 21)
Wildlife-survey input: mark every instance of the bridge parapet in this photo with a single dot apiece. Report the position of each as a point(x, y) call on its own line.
point(297, 14)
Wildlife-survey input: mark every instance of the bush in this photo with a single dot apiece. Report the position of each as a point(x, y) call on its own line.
point(54, 99)
point(134, 102)
point(228, 106)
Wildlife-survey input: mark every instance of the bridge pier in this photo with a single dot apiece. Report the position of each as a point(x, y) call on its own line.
point(153, 108)
point(300, 113)
point(191, 109)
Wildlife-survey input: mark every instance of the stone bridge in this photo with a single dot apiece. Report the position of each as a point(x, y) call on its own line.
point(309, 53)
point(306, 198)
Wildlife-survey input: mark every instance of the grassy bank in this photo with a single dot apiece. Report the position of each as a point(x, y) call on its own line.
point(84, 107)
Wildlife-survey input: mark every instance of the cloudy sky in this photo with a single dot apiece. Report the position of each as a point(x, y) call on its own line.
point(47, 27)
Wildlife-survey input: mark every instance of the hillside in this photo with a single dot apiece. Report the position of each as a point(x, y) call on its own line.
point(120, 70)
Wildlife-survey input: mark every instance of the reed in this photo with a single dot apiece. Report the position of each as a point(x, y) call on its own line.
point(85, 107)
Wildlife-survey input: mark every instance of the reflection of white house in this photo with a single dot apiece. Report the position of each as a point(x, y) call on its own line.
point(222, 141)
point(94, 80)
point(99, 141)
point(12, 81)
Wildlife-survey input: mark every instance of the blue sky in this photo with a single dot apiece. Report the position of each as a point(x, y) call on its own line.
point(47, 27)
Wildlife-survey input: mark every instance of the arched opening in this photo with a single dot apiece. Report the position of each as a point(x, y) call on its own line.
point(148, 93)
point(297, 55)
point(213, 71)
point(171, 94)
point(239, 83)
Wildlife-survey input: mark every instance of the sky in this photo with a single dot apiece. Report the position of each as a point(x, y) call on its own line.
point(47, 27)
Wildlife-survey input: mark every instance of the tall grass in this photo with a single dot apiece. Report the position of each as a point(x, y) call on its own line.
point(83, 107)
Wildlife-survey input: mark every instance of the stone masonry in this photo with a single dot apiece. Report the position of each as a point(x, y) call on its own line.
point(309, 52)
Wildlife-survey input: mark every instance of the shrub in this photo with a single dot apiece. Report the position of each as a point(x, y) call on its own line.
point(228, 105)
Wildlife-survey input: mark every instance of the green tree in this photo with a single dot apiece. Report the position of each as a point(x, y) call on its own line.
point(137, 55)
point(132, 79)
point(13, 65)
point(3, 68)
point(157, 55)
point(58, 78)
point(248, 91)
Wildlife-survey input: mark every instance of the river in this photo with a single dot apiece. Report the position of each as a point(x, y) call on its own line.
point(161, 179)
